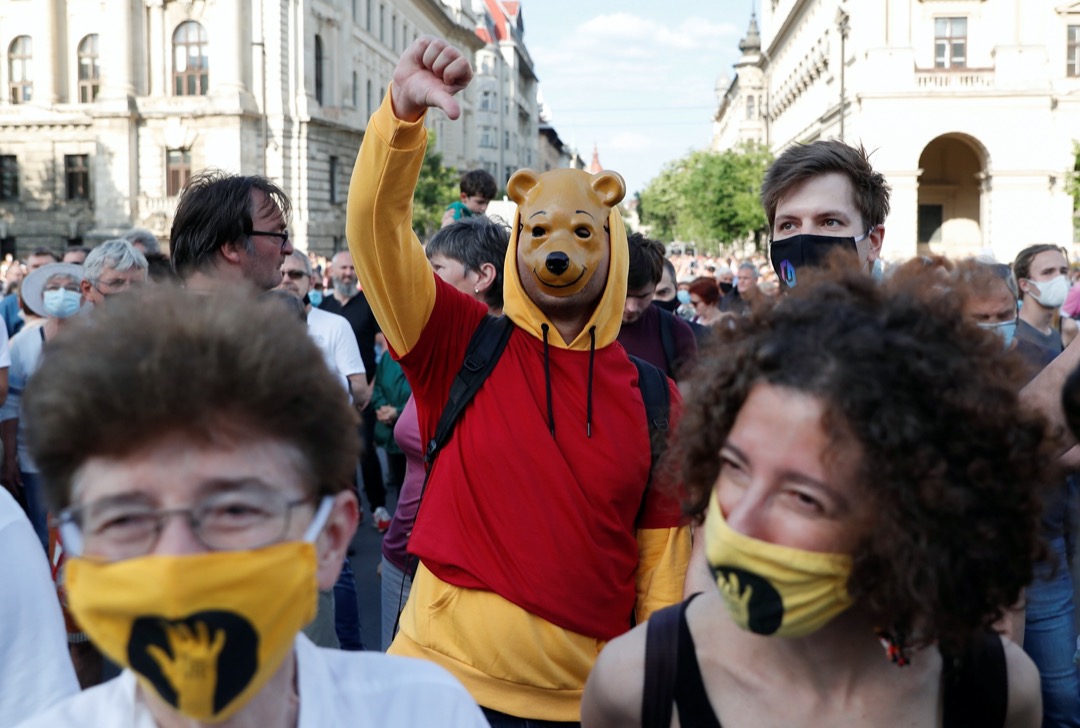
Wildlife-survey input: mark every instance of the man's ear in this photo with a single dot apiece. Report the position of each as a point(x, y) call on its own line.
point(520, 185)
point(231, 251)
point(84, 287)
point(464, 196)
point(333, 542)
point(610, 187)
point(877, 238)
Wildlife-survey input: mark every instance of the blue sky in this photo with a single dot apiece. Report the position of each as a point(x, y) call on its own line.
point(636, 76)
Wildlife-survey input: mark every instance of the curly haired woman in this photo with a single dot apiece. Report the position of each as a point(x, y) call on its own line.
point(870, 485)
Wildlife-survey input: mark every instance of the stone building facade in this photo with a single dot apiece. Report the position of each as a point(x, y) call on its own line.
point(109, 106)
point(970, 108)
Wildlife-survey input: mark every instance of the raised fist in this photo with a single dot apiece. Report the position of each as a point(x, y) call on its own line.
point(428, 74)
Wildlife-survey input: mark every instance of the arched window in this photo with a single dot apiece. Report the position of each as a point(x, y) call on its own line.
point(318, 69)
point(20, 69)
point(89, 69)
point(749, 108)
point(191, 64)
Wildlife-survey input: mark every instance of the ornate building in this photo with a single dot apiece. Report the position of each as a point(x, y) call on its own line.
point(970, 108)
point(506, 86)
point(108, 107)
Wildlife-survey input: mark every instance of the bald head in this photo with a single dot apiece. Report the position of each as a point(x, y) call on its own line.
point(343, 276)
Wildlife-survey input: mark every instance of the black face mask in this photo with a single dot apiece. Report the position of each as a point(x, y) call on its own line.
point(669, 306)
point(805, 251)
point(725, 288)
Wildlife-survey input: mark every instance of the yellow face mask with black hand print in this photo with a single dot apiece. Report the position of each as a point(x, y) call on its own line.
point(770, 589)
point(206, 631)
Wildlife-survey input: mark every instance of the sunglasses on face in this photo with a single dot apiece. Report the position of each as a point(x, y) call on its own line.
point(294, 274)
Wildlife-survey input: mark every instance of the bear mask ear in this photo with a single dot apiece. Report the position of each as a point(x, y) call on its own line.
point(610, 187)
point(520, 184)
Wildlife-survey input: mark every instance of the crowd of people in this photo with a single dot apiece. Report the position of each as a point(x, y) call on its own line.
point(632, 488)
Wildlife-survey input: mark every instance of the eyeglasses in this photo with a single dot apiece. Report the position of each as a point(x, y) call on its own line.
point(294, 274)
point(282, 236)
point(115, 285)
point(232, 520)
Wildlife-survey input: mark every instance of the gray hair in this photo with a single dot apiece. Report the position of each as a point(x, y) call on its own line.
point(302, 257)
point(120, 255)
point(747, 265)
point(144, 237)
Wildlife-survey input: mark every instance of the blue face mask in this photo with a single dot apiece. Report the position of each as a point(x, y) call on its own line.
point(1005, 329)
point(684, 297)
point(62, 303)
point(314, 298)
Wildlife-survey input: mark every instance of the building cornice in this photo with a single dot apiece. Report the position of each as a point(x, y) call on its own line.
point(789, 22)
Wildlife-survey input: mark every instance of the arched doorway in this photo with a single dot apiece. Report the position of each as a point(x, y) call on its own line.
point(953, 175)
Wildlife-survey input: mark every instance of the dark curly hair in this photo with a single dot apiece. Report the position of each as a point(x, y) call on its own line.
point(952, 463)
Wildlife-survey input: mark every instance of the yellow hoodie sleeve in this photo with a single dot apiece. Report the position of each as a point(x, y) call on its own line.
point(390, 261)
point(663, 557)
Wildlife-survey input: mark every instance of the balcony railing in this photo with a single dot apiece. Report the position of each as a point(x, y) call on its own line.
point(956, 79)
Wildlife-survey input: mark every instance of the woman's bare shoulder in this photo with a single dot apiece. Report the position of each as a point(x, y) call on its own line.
point(614, 691)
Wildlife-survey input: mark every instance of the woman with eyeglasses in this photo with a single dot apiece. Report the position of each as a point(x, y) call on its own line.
point(867, 487)
point(201, 512)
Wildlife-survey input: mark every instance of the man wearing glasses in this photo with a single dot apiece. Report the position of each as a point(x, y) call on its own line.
point(201, 514)
point(229, 229)
point(112, 268)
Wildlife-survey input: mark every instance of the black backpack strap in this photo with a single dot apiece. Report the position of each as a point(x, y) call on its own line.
point(667, 341)
point(661, 666)
point(481, 356)
point(653, 384)
point(976, 693)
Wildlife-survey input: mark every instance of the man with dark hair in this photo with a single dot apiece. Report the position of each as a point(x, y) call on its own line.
point(230, 228)
point(477, 190)
point(667, 298)
point(76, 254)
point(40, 257)
point(819, 197)
point(649, 332)
point(349, 301)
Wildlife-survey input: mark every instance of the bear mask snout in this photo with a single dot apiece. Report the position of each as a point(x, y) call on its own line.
point(557, 263)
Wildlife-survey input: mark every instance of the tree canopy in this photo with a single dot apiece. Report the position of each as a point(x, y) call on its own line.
point(709, 198)
point(436, 188)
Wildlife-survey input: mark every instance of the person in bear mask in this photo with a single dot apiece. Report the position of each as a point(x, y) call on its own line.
point(821, 197)
point(837, 584)
point(201, 513)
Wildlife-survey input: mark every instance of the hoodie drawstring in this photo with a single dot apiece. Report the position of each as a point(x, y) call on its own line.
point(592, 356)
point(547, 380)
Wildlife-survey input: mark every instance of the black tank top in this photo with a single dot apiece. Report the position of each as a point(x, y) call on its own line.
point(975, 682)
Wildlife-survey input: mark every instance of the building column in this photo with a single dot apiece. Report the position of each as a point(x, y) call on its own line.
point(228, 44)
point(160, 47)
point(43, 48)
point(902, 227)
point(116, 80)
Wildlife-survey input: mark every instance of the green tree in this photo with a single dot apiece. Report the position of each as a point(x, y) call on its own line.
point(436, 188)
point(1072, 185)
point(710, 198)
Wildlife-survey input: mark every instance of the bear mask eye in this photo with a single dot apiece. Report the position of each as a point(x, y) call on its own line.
point(538, 232)
point(583, 232)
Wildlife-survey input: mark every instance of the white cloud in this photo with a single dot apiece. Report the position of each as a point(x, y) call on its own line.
point(626, 30)
point(628, 142)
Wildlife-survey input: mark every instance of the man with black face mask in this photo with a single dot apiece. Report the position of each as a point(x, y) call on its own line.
point(657, 336)
point(667, 298)
point(821, 197)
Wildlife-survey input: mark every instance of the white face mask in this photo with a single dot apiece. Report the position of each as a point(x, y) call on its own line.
point(1052, 293)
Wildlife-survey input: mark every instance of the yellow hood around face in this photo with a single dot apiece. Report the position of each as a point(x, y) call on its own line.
point(564, 220)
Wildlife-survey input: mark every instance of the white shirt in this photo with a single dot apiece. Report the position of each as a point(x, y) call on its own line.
point(336, 689)
point(35, 668)
point(335, 338)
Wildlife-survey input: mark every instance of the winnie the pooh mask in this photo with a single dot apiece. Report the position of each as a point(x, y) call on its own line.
point(567, 248)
